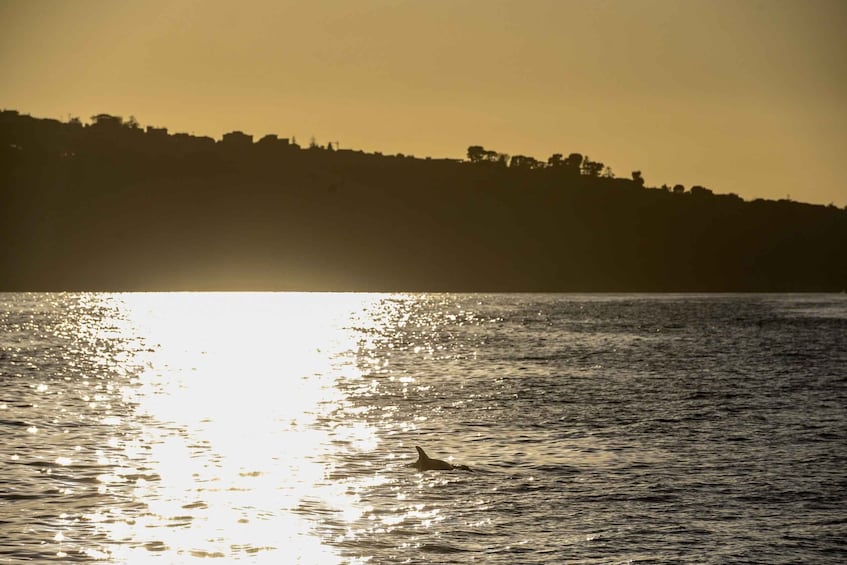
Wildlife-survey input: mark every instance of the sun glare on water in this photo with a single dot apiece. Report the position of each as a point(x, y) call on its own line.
point(237, 418)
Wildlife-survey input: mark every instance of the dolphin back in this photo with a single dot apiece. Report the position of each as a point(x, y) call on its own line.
point(426, 463)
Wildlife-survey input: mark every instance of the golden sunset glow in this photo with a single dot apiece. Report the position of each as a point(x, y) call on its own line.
point(233, 410)
point(740, 96)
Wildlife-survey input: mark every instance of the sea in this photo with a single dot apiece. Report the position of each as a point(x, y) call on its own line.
point(279, 428)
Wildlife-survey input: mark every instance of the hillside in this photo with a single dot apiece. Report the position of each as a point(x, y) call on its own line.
point(112, 206)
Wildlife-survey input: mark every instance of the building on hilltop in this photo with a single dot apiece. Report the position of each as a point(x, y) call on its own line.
point(272, 140)
point(237, 139)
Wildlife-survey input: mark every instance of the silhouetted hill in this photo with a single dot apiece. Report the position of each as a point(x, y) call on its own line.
point(112, 206)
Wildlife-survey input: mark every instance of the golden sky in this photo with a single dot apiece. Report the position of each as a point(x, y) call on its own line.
point(744, 96)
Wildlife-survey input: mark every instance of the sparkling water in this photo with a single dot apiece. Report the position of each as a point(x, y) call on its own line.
point(279, 428)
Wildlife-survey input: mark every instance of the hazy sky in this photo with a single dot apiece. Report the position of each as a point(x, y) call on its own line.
point(741, 96)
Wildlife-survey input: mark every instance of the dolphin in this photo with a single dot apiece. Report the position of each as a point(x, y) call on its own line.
point(426, 463)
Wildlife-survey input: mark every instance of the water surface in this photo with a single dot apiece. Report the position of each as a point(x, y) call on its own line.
point(277, 428)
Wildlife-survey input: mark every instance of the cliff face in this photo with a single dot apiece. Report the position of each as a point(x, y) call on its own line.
point(111, 207)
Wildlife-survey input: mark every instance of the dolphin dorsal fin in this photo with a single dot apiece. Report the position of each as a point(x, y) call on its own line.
point(421, 453)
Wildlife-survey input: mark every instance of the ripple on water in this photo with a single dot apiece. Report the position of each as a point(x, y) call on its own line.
point(258, 427)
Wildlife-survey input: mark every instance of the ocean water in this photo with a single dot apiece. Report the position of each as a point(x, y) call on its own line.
point(277, 428)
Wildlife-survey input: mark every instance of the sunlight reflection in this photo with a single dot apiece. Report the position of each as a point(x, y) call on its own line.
point(234, 429)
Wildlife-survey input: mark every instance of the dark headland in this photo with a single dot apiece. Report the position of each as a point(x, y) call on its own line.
point(109, 205)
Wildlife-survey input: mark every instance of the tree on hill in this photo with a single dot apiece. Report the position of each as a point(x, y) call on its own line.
point(524, 162)
point(591, 168)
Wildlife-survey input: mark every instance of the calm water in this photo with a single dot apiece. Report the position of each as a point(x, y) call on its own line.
point(276, 428)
